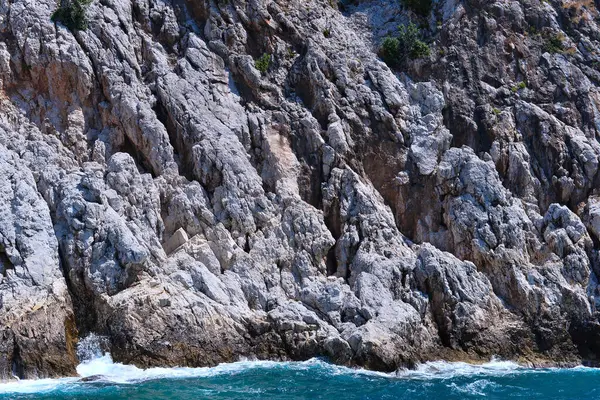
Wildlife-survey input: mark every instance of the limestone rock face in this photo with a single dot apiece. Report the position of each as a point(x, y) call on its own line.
point(158, 189)
point(38, 326)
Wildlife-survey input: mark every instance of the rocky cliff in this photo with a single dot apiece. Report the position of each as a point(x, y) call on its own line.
point(162, 188)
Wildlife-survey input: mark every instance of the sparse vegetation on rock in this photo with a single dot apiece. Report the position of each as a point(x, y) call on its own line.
point(407, 44)
point(71, 13)
point(262, 63)
point(554, 43)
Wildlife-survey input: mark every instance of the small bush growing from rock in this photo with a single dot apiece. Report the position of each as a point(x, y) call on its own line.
point(421, 7)
point(406, 45)
point(390, 50)
point(554, 44)
point(262, 63)
point(519, 86)
point(71, 14)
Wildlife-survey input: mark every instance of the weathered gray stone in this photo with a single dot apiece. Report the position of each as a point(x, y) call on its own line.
point(177, 239)
point(200, 210)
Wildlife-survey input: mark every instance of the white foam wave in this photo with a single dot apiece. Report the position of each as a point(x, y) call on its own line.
point(103, 369)
point(34, 386)
point(475, 388)
point(446, 370)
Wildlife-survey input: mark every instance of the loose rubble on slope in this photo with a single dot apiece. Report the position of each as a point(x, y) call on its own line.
point(158, 189)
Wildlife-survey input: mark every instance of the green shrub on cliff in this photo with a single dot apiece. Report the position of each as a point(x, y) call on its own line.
point(71, 13)
point(554, 43)
point(406, 45)
point(390, 50)
point(263, 63)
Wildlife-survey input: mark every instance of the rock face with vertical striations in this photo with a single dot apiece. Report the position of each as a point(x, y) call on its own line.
point(38, 327)
point(158, 188)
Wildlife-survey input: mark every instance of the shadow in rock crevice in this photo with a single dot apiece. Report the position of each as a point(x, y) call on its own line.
point(5, 263)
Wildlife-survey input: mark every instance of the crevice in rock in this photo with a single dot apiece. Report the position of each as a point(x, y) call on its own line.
point(142, 163)
point(311, 173)
point(18, 368)
point(181, 151)
point(244, 91)
point(331, 261)
point(463, 133)
point(381, 164)
point(257, 43)
point(586, 336)
point(542, 173)
point(84, 308)
point(198, 11)
point(334, 225)
point(247, 244)
point(307, 90)
point(5, 263)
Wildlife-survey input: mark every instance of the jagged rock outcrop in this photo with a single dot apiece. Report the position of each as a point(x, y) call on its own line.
point(38, 326)
point(158, 189)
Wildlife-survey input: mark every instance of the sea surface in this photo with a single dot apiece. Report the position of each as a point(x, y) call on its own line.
point(313, 379)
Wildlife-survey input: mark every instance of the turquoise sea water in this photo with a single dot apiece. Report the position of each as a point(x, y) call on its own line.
point(313, 379)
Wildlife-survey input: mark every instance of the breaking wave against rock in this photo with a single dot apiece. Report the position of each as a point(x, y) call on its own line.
point(100, 376)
